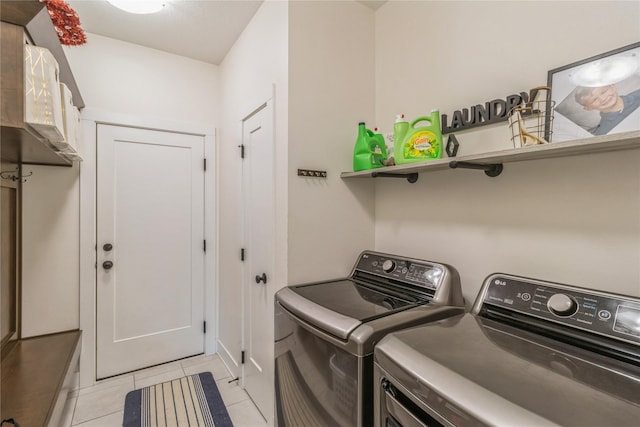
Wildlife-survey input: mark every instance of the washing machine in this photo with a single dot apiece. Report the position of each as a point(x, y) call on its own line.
point(530, 353)
point(325, 333)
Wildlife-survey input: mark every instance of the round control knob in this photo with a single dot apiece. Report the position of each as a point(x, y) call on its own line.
point(388, 265)
point(562, 305)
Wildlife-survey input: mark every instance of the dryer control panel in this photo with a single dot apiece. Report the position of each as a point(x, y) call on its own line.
point(607, 314)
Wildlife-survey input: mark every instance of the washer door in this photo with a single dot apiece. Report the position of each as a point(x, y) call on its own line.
point(340, 306)
point(317, 383)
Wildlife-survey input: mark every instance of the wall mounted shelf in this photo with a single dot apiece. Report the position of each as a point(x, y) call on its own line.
point(34, 17)
point(490, 162)
point(27, 20)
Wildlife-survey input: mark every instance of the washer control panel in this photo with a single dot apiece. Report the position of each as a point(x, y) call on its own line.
point(410, 271)
point(562, 305)
point(606, 314)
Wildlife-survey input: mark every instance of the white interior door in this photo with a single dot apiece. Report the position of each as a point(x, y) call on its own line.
point(259, 201)
point(150, 255)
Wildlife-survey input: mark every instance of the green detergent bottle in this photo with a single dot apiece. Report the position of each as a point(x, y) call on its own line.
point(369, 151)
point(417, 144)
point(400, 128)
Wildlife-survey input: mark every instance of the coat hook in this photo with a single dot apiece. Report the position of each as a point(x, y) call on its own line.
point(312, 173)
point(13, 175)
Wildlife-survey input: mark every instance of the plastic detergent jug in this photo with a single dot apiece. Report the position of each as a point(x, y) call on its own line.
point(369, 151)
point(400, 128)
point(417, 144)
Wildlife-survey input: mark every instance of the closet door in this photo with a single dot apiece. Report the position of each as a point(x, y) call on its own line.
point(259, 229)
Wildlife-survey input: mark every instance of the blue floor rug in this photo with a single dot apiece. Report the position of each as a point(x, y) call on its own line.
point(189, 401)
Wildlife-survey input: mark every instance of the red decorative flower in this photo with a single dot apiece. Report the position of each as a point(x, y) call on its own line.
point(66, 23)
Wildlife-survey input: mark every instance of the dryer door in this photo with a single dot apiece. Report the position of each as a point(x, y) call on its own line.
point(501, 375)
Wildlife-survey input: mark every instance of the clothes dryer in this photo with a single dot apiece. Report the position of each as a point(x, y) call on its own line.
point(530, 353)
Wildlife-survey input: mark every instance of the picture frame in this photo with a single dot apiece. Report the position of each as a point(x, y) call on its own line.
point(596, 96)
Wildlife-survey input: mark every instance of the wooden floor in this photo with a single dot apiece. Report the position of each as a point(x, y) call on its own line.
point(33, 374)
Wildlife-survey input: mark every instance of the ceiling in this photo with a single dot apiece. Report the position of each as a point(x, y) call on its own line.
point(203, 30)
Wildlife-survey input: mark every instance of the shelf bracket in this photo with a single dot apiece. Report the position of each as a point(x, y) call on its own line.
point(491, 170)
point(411, 177)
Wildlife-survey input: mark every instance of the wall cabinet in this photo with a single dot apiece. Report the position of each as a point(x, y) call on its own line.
point(37, 372)
point(490, 161)
point(22, 22)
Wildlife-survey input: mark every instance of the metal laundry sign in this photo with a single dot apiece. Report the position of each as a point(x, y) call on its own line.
point(493, 111)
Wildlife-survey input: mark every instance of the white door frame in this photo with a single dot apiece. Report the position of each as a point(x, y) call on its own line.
point(90, 119)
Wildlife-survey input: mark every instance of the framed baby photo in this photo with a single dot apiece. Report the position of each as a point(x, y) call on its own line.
point(596, 96)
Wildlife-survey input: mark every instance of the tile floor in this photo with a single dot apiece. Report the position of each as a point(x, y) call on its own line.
point(102, 405)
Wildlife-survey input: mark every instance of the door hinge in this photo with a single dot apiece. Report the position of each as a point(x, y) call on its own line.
point(242, 254)
point(205, 163)
point(242, 357)
point(204, 245)
point(204, 327)
point(241, 151)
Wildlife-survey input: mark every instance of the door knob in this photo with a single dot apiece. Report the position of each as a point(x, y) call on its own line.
point(107, 265)
point(262, 278)
point(107, 247)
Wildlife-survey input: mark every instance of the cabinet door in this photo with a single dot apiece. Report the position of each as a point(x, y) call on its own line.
point(8, 295)
point(11, 74)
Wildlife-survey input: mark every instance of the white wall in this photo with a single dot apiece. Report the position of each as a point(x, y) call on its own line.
point(254, 70)
point(573, 220)
point(331, 89)
point(50, 250)
point(125, 78)
point(130, 84)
